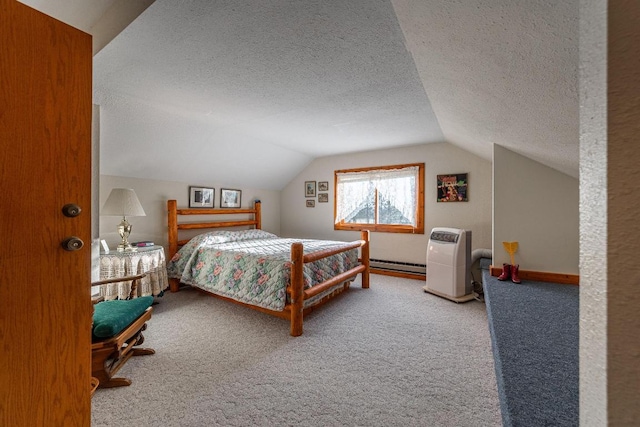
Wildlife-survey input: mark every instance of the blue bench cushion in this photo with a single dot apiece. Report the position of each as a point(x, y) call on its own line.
point(111, 317)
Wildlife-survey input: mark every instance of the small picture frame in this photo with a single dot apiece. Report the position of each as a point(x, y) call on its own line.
point(453, 187)
point(309, 189)
point(201, 197)
point(230, 198)
point(323, 186)
point(105, 246)
point(311, 203)
point(323, 197)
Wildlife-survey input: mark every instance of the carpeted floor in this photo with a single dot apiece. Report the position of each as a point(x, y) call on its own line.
point(534, 329)
point(391, 355)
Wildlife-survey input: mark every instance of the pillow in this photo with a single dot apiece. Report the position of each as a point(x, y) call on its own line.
point(180, 259)
point(224, 236)
point(237, 236)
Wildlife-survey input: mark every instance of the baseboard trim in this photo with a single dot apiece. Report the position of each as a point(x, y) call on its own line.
point(541, 276)
point(538, 276)
point(404, 275)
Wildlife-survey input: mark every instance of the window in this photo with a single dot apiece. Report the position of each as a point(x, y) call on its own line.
point(385, 198)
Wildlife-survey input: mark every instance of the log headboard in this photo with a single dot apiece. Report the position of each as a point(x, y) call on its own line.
point(174, 225)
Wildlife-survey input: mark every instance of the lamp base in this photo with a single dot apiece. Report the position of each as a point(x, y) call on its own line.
point(124, 229)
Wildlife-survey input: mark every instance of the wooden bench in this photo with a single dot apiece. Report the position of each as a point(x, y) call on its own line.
point(117, 331)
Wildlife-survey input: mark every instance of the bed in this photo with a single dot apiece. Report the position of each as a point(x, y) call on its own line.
point(287, 278)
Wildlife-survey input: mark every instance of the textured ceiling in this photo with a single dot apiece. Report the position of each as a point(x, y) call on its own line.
point(282, 80)
point(501, 71)
point(249, 92)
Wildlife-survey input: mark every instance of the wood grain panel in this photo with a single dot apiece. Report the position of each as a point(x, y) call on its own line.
point(45, 129)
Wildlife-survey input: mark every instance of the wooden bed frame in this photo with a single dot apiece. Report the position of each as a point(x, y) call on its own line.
point(295, 310)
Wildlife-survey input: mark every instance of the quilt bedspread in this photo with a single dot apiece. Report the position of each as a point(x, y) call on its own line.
point(253, 270)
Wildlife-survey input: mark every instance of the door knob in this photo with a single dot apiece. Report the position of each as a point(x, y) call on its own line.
point(71, 210)
point(72, 243)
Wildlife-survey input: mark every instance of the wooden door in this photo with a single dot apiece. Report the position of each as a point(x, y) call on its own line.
point(45, 163)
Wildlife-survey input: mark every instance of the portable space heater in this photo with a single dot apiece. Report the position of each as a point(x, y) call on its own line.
point(449, 264)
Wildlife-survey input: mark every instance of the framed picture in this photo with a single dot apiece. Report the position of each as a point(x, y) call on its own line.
point(323, 197)
point(201, 197)
point(453, 187)
point(309, 189)
point(230, 198)
point(323, 186)
point(311, 203)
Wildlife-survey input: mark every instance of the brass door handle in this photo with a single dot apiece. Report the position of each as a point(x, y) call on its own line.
point(71, 210)
point(72, 243)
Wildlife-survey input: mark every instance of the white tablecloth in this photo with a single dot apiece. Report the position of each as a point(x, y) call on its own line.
point(145, 260)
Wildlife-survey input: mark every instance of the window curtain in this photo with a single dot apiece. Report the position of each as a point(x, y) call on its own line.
point(395, 185)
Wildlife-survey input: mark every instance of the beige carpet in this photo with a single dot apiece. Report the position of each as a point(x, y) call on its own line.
point(391, 355)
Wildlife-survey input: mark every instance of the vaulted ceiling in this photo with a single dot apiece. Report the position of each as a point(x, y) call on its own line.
point(249, 92)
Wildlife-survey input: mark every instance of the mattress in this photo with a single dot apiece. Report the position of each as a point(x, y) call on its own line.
point(253, 266)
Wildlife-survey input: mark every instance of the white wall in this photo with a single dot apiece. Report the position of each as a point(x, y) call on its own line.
point(593, 215)
point(439, 158)
point(538, 207)
point(153, 195)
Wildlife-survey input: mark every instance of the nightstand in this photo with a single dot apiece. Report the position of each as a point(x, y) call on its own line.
point(149, 260)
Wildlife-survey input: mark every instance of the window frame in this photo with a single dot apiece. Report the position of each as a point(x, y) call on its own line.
point(384, 228)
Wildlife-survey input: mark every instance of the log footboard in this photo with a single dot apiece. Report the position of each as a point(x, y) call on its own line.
point(296, 289)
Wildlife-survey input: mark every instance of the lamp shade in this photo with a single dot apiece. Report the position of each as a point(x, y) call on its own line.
point(122, 202)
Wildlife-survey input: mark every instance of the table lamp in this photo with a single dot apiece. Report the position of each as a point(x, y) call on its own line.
point(123, 202)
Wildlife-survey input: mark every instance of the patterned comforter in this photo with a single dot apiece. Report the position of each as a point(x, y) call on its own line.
point(252, 266)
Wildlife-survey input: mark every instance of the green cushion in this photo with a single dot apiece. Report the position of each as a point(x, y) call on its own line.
point(111, 317)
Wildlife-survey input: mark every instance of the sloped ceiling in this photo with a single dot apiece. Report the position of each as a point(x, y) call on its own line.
point(256, 89)
point(103, 19)
point(247, 93)
point(502, 71)
point(82, 14)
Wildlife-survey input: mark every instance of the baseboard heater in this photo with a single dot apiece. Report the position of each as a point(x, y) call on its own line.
point(398, 267)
